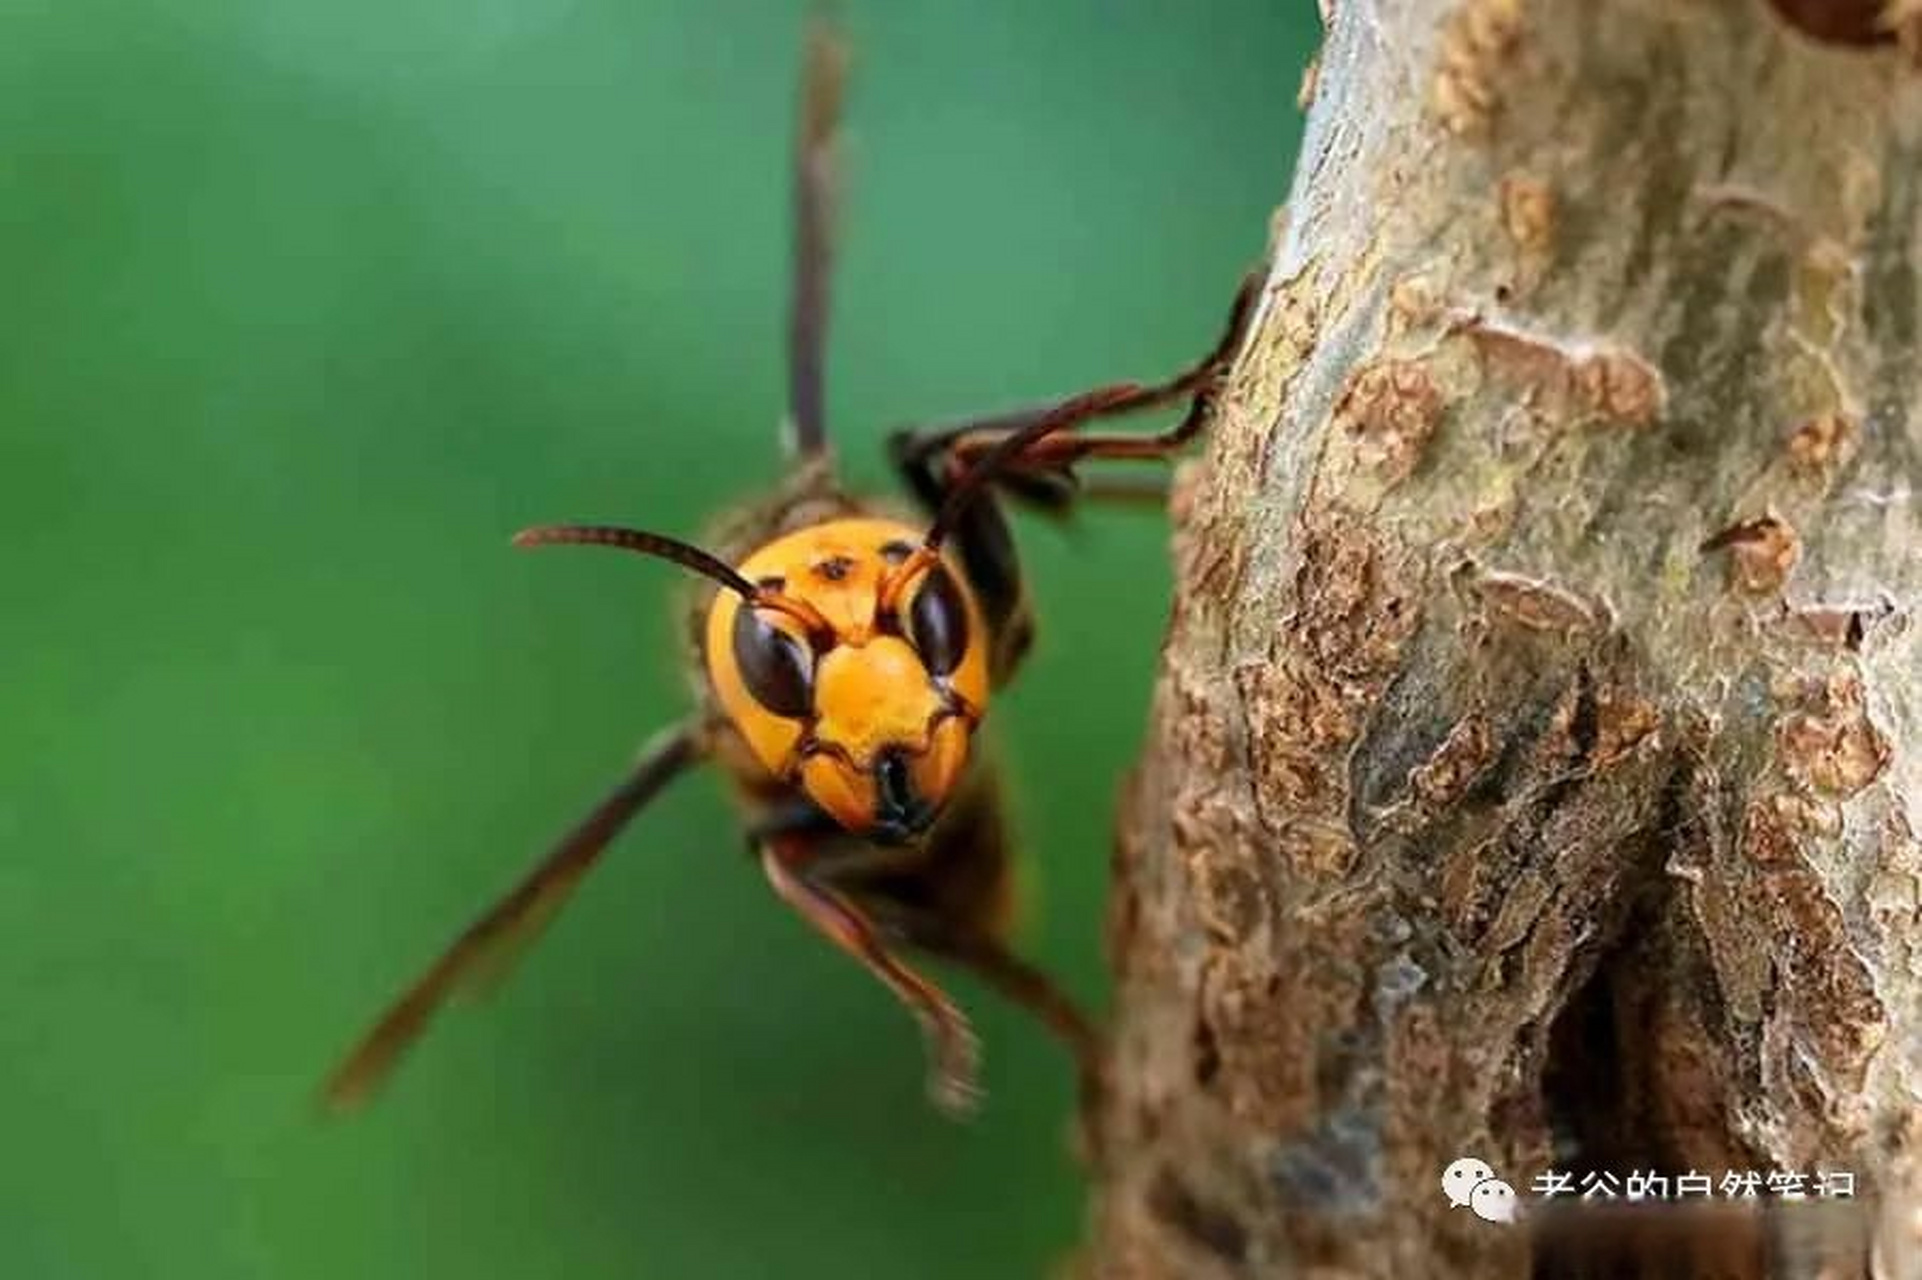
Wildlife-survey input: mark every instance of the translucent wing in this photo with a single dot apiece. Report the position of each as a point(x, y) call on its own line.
point(822, 79)
point(484, 948)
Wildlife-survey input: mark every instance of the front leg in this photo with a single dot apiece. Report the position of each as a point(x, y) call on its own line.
point(793, 869)
point(976, 949)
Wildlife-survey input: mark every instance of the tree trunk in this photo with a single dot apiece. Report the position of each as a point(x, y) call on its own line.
point(1537, 753)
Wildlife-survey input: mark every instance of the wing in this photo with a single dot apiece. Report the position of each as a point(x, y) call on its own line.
point(485, 946)
point(822, 80)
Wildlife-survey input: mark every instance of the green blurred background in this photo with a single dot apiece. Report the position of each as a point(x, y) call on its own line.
point(308, 307)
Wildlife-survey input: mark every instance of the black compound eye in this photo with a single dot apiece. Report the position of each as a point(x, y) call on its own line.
point(777, 669)
point(938, 622)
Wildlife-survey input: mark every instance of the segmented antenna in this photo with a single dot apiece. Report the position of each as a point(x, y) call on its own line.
point(820, 630)
point(652, 544)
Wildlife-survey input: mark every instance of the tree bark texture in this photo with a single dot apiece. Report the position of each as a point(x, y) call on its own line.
point(1535, 763)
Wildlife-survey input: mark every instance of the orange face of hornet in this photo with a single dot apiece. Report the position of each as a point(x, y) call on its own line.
point(869, 710)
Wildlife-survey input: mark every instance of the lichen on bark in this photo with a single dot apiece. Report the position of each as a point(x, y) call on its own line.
point(1535, 764)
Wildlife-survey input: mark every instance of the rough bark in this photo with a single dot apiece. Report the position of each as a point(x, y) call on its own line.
point(1535, 764)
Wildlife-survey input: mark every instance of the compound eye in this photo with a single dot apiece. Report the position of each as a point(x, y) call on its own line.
point(777, 669)
point(938, 622)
